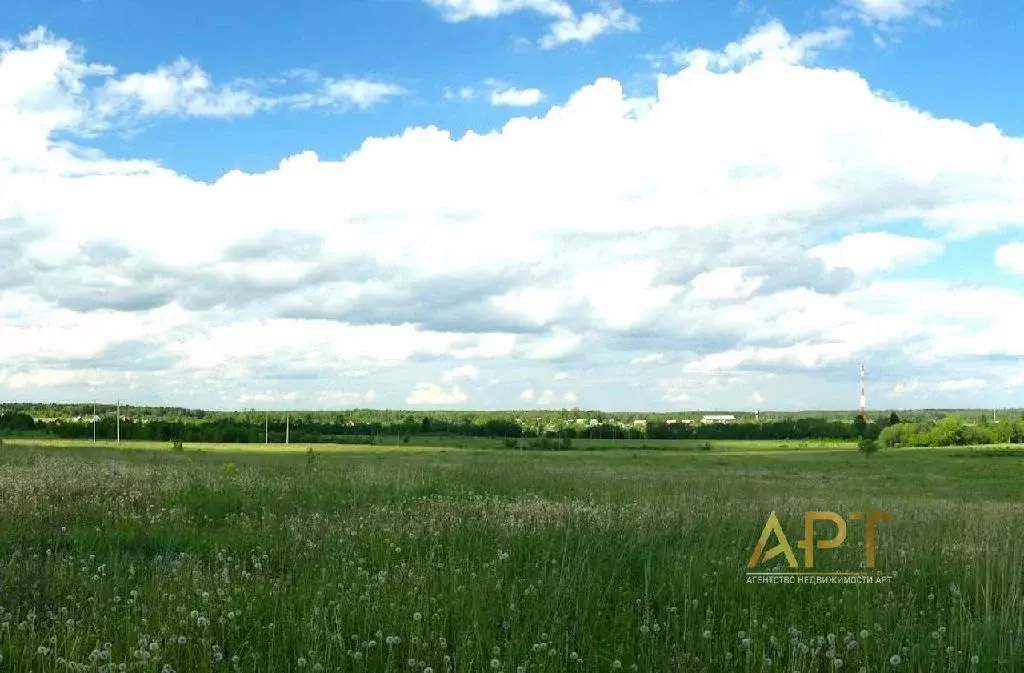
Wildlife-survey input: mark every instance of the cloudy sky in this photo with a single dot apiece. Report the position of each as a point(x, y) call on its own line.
point(512, 203)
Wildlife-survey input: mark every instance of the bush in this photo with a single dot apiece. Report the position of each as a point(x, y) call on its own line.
point(706, 446)
point(511, 443)
point(868, 446)
point(177, 446)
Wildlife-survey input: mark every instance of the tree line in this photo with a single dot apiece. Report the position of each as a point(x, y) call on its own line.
point(375, 426)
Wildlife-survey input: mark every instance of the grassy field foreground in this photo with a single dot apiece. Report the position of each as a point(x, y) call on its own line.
point(431, 561)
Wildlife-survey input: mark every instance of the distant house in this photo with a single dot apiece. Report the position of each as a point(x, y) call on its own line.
point(679, 421)
point(718, 418)
point(640, 421)
point(594, 422)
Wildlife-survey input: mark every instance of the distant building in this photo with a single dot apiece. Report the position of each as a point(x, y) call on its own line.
point(680, 421)
point(640, 421)
point(718, 418)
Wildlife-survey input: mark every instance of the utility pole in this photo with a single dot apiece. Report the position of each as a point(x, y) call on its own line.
point(287, 427)
point(863, 395)
point(119, 421)
point(266, 429)
point(94, 421)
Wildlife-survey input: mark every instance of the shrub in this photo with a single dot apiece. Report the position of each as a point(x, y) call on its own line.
point(868, 446)
point(177, 446)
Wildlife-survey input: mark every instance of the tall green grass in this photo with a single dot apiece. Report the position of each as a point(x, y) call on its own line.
point(508, 561)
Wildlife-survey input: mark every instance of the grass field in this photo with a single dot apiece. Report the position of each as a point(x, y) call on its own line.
point(428, 559)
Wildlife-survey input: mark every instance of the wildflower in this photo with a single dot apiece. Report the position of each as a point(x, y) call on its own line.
point(895, 660)
point(616, 664)
point(745, 642)
point(416, 616)
point(301, 662)
point(707, 634)
point(837, 663)
point(974, 659)
point(495, 664)
point(864, 633)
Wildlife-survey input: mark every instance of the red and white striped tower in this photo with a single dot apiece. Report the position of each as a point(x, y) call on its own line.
point(863, 395)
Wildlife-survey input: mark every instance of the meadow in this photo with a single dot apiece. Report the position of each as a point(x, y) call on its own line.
point(432, 559)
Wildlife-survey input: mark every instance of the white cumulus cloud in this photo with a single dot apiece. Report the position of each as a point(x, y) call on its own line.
point(876, 251)
point(889, 11)
point(585, 27)
point(514, 97)
point(1011, 257)
point(734, 221)
point(431, 393)
point(471, 372)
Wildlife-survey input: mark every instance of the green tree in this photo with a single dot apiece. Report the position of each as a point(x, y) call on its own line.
point(859, 425)
point(893, 418)
point(867, 446)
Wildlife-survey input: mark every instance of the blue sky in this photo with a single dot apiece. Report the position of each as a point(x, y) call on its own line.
point(809, 185)
point(947, 69)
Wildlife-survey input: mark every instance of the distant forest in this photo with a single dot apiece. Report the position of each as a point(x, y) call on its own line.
point(917, 427)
